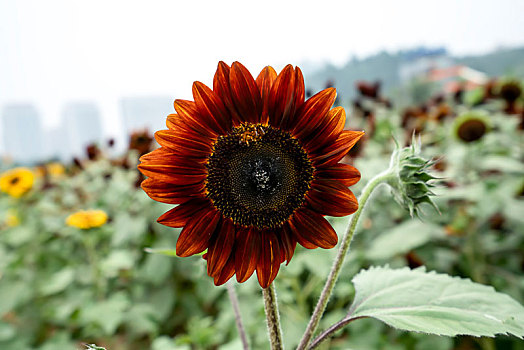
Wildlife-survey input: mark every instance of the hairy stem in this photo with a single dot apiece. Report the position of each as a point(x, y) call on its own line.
point(328, 332)
point(272, 317)
point(236, 309)
point(339, 261)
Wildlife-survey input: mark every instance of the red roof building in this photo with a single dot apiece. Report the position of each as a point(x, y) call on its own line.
point(457, 77)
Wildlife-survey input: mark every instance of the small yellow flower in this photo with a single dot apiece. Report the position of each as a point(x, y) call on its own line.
point(12, 219)
point(16, 182)
point(55, 169)
point(86, 219)
point(39, 171)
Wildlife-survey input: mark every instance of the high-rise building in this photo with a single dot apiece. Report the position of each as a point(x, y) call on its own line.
point(82, 125)
point(57, 144)
point(145, 113)
point(22, 133)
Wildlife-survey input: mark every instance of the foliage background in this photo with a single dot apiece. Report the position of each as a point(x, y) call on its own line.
point(61, 287)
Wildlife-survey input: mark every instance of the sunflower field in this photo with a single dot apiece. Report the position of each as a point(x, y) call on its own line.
point(83, 260)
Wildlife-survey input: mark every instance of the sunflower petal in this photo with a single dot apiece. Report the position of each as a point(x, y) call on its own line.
point(210, 106)
point(220, 247)
point(265, 81)
point(171, 194)
point(181, 143)
point(177, 124)
point(300, 90)
point(288, 243)
point(333, 153)
point(313, 112)
point(281, 98)
point(195, 235)
point(332, 198)
point(227, 271)
point(346, 174)
point(269, 259)
point(170, 121)
point(178, 216)
point(188, 111)
point(289, 118)
point(245, 93)
point(166, 166)
point(300, 239)
point(311, 227)
point(247, 252)
point(223, 89)
point(328, 131)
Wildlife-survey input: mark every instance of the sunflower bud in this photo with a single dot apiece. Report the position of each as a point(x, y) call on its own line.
point(412, 181)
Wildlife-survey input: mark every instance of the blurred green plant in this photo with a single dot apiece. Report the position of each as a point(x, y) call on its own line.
point(62, 287)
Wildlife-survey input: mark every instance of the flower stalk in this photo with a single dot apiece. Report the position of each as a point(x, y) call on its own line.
point(410, 183)
point(236, 310)
point(92, 258)
point(327, 333)
point(272, 317)
point(342, 252)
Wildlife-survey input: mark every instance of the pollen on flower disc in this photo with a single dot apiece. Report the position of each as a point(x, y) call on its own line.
point(259, 182)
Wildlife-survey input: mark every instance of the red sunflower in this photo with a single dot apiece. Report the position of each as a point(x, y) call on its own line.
point(254, 168)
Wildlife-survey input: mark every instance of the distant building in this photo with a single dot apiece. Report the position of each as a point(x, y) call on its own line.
point(453, 78)
point(82, 126)
point(57, 144)
point(417, 62)
point(145, 113)
point(22, 133)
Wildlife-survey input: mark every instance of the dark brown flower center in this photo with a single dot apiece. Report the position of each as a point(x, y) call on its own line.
point(510, 91)
point(14, 180)
point(258, 175)
point(471, 130)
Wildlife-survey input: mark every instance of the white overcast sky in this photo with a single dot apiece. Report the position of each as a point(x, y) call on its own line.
point(55, 51)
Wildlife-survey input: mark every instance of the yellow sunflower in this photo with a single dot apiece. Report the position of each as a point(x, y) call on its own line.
point(16, 182)
point(86, 219)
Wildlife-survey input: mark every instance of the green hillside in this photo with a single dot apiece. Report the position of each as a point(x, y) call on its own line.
point(385, 66)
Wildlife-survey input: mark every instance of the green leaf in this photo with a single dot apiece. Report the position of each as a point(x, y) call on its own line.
point(161, 251)
point(12, 294)
point(57, 282)
point(141, 319)
point(116, 261)
point(107, 314)
point(505, 164)
point(403, 238)
point(166, 343)
point(420, 301)
point(166, 251)
point(128, 229)
point(61, 340)
point(7, 331)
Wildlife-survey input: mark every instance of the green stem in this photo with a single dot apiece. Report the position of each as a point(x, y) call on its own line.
point(236, 310)
point(471, 251)
point(93, 261)
point(272, 317)
point(339, 261)
point(327, 333)
point(476, 262)
point(487, 343)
